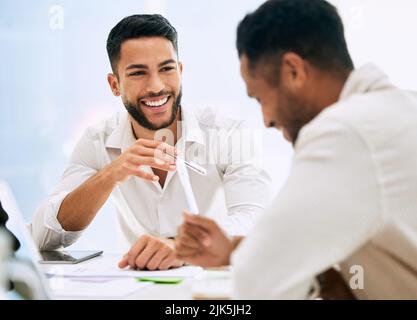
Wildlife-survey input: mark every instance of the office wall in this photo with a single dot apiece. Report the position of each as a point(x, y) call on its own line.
point(54, 65)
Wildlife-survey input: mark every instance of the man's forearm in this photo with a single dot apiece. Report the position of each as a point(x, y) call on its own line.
point(81, 205)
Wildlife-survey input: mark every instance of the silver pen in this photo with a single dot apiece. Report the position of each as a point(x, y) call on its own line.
point(190, 164)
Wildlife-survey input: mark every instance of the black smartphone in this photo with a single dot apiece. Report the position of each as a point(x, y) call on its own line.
point(67, 257)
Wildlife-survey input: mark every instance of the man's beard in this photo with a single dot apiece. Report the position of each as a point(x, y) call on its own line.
point(136, 112)
point(298, 114)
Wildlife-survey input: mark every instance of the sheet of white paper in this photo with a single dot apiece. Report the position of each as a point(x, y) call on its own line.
point(216, 284)
point(106, 270)
point(85, 287)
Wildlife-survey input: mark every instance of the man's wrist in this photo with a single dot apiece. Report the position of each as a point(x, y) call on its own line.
point(107, 177)
point(170, 241)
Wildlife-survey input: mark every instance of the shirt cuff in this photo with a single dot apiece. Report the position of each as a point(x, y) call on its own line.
point(240, 223)
point(66, 238)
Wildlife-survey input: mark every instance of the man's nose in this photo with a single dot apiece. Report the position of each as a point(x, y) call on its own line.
point(155, 84)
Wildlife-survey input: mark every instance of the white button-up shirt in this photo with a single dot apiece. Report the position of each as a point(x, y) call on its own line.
point(234, 191)
point(351, 198)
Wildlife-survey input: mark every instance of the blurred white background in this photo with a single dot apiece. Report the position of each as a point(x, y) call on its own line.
point(54, 65)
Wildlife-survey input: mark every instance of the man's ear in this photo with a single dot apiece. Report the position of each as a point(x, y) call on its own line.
point(113, 83)
point(180, 67)
point(293, 70)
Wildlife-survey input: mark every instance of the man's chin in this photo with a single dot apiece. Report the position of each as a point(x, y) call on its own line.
point(161, 123)
point(152, 120)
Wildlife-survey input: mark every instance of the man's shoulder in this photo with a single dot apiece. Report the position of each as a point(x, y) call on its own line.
point(373, 116)
point(371, 110)
point(382, 102)
point(104, 128)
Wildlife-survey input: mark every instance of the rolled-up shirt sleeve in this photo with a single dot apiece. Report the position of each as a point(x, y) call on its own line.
point(246, 184)
point(45, 227)
point(328, 208)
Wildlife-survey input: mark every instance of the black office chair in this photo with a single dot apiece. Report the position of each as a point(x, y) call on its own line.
point(3, 219)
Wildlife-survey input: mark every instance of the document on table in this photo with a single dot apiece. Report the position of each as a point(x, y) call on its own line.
point(216, 284)
point(111, 271)
point(97, 287)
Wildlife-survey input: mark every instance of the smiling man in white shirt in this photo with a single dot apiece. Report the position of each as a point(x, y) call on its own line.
point(125, 158)
point(351, 196)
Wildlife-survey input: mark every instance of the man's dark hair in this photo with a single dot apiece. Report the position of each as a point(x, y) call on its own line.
point(137, 26)
point(310, 28)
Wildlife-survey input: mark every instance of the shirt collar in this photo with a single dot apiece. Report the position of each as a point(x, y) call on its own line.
point(122, 135)
point(191, 130)
point(364, 79)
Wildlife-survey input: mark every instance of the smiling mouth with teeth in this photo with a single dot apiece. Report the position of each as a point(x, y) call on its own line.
point(155, 103)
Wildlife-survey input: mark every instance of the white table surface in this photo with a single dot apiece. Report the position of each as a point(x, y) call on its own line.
point(213, 284)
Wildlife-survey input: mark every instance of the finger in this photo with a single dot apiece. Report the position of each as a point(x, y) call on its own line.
point(146, 255)
point(198, 233)
point(135, 160)
point(124, 262)
point(136, 171)
point(166, 148)
point(157, 258)
point(169, 262)
point(149, 143)
point(153, 153)
point(168, 156)
point(199, 220)
point(136, 249)
point(155, 163)
point(187, 240)
point(191, 258)
point(185, 252)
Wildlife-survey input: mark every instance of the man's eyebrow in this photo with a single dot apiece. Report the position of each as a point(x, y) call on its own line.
point(137, 66)
point(144, 66)
point(166, 62)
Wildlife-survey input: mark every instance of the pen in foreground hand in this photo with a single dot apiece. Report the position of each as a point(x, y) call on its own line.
point(190, 164)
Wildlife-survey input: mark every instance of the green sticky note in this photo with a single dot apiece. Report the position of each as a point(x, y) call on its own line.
point(160, 280)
